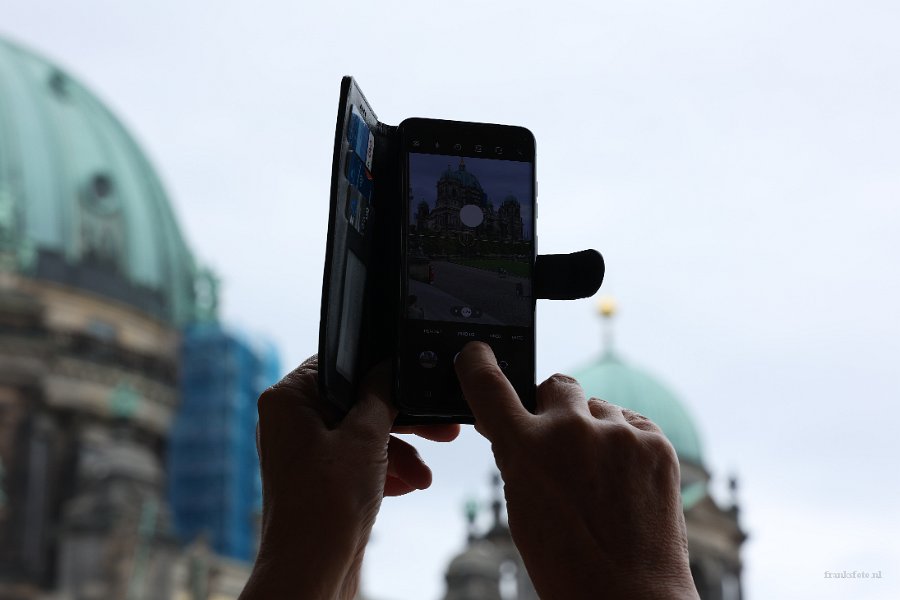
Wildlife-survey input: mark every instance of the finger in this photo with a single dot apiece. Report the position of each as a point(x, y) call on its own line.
point(435, 433)
point(489, 393)
point(405, 464)
point(605, 411)
point(561, 392)
point(396, 487)
point(373, 414)
point(640, 421)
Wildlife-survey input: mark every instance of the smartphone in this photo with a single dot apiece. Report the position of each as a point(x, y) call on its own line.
point(468, 248)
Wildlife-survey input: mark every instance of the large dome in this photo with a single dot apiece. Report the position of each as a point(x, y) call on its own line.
point(80, 203)
point(614, 381)
point(460, 175)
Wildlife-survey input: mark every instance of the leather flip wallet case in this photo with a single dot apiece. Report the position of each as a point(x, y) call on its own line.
point(361, 297)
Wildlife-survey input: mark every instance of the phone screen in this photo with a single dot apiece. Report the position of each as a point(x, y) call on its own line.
point(469, 259)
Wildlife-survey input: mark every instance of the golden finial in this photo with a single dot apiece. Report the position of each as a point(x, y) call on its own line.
point(607, 306)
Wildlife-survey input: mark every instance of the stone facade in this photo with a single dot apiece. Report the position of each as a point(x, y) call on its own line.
point(87, 392)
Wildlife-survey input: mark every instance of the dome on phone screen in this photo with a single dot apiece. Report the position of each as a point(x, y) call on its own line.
point(80, 203)
point(461, 175)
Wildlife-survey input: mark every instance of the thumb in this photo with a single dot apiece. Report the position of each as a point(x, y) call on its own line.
point(494, 402)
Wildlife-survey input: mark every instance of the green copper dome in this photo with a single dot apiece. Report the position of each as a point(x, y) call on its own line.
point(460, 175)
point(80, 203)
point(619, 383)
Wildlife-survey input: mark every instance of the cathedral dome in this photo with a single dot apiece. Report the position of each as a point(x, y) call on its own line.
point(461, 176)
point(615, 381)
point(80, 203)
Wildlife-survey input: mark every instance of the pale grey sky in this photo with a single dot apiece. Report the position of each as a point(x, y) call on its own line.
point(736, 163)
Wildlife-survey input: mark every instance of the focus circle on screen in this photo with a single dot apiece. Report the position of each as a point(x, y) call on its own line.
point(471, 215)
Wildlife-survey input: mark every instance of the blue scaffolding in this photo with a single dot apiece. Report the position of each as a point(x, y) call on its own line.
point(214, 484)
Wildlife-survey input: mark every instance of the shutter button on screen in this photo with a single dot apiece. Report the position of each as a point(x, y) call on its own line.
point(428, 359)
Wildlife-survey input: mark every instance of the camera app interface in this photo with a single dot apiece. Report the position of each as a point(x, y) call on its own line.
point(470, 242)
point(469, 254)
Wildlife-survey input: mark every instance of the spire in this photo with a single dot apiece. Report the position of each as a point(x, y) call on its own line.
point(462, 164)
point(733, 491)
point(471, 515)
point(497, 502)
point(607, 308)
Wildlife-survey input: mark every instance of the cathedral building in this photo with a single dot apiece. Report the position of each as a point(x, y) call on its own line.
point(457, 188)
point(490, 568)
point(97, 289)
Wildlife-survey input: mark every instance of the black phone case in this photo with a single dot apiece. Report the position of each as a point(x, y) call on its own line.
point(361, 286)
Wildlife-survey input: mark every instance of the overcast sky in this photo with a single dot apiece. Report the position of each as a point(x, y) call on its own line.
point(737, 163)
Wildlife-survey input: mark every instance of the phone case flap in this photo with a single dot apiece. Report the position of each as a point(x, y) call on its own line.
point(568, 276)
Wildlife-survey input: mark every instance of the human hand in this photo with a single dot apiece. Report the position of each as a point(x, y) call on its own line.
point(323, 481)
point(592, 490)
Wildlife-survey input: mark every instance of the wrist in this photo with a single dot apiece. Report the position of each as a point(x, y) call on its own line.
point(299, 559)
point(666, 591)
point(293, 576)
point(659, 584)
point(282, 579)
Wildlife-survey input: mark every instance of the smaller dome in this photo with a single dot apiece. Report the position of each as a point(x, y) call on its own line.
point(480, 558)
point(621, 384)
